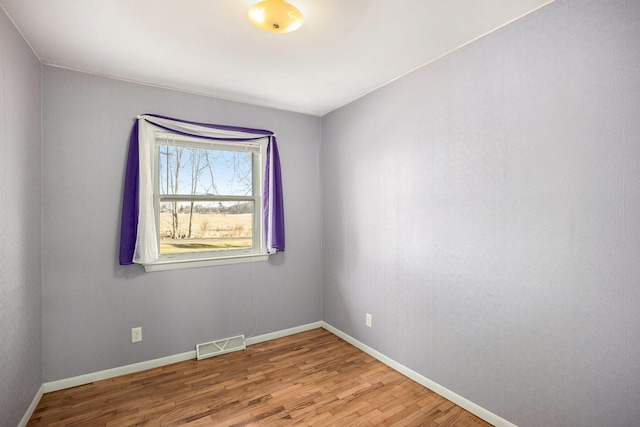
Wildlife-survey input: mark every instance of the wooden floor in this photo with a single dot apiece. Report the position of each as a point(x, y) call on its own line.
point(311, 378)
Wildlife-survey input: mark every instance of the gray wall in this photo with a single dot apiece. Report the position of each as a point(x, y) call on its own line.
point(20, 242)
point(485, 210)
point(90, 302)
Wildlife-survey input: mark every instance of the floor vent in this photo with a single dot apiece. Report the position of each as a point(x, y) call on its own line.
point(216, 348)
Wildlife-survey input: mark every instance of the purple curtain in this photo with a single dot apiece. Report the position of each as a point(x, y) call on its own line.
point(129, 224)
point(274, 225)
point(274, 230)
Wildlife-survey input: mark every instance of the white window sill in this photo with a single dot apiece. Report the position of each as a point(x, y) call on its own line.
point(177, 264)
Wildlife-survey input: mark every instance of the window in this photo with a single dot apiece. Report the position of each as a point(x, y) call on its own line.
point(207, 196)
point(199, 195)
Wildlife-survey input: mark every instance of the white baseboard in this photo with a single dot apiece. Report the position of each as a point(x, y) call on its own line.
point(163, 361)
point(116, 372)
point(283, 333)
point(32, 407)
point(475, 409)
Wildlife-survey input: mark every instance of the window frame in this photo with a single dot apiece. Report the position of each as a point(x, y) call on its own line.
point(258, 251)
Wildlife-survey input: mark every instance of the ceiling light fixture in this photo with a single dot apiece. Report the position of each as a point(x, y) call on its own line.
point(275, 16)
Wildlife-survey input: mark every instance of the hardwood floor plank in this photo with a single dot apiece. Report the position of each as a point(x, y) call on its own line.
point(313, 378)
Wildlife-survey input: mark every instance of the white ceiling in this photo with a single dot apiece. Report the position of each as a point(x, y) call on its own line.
point(345, 49)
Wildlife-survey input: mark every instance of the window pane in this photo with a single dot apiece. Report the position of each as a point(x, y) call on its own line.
point(202, 171)
point(205, 226)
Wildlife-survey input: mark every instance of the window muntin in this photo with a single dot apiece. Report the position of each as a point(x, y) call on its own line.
point(208, 197)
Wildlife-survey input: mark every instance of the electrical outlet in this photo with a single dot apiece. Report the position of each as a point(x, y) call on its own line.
point(368, 320)
point(136, 334)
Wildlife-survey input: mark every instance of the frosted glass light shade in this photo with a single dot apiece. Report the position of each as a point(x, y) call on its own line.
point(275, 16)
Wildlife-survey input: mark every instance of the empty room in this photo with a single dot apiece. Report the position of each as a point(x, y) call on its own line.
point(305, 212)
